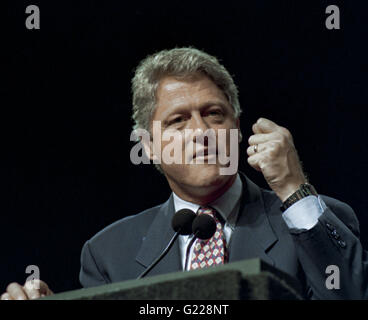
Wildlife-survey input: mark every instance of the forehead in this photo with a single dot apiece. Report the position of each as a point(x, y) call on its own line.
point(190, 92)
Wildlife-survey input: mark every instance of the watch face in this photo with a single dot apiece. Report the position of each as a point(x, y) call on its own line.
point(305, 190)
point(308, 189)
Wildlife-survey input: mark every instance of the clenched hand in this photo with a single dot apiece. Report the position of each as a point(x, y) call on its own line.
point(31, 290)
point(271, 150)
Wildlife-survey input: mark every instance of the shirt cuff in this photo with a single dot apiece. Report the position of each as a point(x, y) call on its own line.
point(304, 214)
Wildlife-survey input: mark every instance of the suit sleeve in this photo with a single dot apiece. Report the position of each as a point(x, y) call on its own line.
point(90, 275)
point(333, 243)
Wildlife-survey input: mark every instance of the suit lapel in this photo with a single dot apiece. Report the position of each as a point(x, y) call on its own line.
point(156, 240)
point(253, 235)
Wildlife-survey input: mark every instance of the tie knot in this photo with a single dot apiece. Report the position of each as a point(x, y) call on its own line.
point(213, 213)
point(207, 210)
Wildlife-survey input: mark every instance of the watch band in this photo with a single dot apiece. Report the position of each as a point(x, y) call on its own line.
point(304, 190)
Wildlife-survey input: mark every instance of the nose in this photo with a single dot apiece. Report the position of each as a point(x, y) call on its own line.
point(199, 126)
point(197, 122)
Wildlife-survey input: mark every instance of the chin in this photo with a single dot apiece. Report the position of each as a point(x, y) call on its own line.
point(204, 175)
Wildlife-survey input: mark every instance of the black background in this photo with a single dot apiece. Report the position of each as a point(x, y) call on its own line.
point(65, 116)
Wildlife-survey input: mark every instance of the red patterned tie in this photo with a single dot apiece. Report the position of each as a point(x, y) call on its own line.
point(210, 252)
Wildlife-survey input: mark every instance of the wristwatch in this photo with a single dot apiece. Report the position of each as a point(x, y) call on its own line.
point(304, 190)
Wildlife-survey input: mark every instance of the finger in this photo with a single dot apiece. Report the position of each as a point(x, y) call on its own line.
point(44, 289)
point(264, 125)
point(38, 286)
point(261, 138)
point(256, 148)
point(37, 289)
point(256, 129)
point(5, 296)
point(16, 292)
point(254, 161)
point(32, 289)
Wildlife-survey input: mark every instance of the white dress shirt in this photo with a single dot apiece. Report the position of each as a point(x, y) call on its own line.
point(303, 214)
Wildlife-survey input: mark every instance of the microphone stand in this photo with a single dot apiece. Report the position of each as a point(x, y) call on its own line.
point(160, 256)
point(177, 233)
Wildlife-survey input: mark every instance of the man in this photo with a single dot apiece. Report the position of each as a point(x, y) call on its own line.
point(291, 227)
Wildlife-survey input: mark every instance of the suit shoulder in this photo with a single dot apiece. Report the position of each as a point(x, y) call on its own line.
point(129, 226)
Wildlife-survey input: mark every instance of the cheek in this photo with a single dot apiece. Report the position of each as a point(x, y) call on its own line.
point(178, 173)
point(171, 150)
point(223, 138)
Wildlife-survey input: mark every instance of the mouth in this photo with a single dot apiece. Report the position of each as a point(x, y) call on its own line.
point(205, 153)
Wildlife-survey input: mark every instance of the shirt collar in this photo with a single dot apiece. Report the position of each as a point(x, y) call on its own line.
point(224, 205)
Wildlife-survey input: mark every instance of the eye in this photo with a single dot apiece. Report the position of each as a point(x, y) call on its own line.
point(176, 120)
point(215, 113)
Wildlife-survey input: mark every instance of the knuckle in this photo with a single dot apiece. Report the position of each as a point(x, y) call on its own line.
point(283, 138)
point(28, 282)
point(29, 285)
point(274, 148)
point(273, 145)
point(262, 163)
point(285, 132)
point(15, 291)
point(33, 285)
point(11, 286)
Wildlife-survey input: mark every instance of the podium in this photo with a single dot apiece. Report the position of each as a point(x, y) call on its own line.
point(251, 279)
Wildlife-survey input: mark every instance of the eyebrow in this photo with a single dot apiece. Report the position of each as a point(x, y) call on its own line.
point(206, 105)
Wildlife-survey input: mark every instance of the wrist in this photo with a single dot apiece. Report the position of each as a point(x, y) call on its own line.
point(303, 191)
point(289, 189)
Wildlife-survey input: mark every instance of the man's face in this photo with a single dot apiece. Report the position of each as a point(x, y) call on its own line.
point(193, 105)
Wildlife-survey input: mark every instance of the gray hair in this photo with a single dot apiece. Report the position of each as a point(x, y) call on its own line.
point(180, 63)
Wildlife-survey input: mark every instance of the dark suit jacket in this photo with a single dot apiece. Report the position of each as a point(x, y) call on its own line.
point(124, 249)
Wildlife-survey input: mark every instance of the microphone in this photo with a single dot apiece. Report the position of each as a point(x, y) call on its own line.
point(182, 221)
point(203, 227)
point(182, 224)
